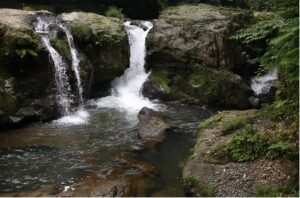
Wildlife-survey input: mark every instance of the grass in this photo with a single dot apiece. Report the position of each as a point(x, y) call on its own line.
point(231, 126)
point(261, 190)
point(113, 11)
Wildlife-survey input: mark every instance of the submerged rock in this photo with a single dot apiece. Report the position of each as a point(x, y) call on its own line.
point(151, 127)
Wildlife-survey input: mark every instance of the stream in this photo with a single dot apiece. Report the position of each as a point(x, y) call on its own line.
point(62, 154)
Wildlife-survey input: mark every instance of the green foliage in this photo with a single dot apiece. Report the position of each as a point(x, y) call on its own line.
point(266, 191)
point(113, 11)
point(245, 145)
point(277, 149)
point(162, 79)
point(191, 182)
point(21, 53)
point(282, 37)
point(230, 126)
point(82, 32)
point(258, 32)
point(206, 190)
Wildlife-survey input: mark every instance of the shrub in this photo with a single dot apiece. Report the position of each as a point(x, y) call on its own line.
point(113, 11)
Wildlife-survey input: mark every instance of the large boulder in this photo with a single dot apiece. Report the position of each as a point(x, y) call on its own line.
point(151, 127)
point(25, 78)
point(197, 33)
point(104, 42)
point(192, 58)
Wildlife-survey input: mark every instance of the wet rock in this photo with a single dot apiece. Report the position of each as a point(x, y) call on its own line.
point(151, 127)
point(111, 186)
point(129, 160)
point(103, 41)
point(25, 70)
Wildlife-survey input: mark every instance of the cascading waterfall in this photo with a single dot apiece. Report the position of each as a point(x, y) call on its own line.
point(263, 84)
point(75, 60)
point(126, 89)
point(64, 95)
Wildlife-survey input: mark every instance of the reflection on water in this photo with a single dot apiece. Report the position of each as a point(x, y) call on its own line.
point(62, 154)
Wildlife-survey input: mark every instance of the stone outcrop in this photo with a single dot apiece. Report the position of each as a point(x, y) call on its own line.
point(234, 156)
point(27, 89)
point(187, 40)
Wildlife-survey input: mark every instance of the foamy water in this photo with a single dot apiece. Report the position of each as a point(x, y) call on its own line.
point(126, 90)
point(79, 117)
point(262, 84)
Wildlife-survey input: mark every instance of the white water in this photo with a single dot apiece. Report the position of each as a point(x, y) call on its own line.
point(75, 60)
point(61, 78)
point(64, 95)
point(262, 84)
point(126, 89)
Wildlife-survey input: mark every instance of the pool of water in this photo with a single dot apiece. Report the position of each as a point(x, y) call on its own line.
point(62, 154)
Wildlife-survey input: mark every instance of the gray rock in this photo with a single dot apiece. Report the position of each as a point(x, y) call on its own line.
point(151, 127)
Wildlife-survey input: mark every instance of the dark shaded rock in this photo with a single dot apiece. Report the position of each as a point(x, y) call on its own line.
point(104, 43)
point(25, 71)
point(193, 60)
point(151, 127)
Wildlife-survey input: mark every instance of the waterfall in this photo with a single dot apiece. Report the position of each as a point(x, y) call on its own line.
point(75, 60)
point(126, 93)
point(65, 96)
point(263, 84)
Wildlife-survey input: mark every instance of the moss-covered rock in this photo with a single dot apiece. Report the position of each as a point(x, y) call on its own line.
point(190, 46)
point(25, 72)
point(104, 42)
point(237, 161)
point(201, 85)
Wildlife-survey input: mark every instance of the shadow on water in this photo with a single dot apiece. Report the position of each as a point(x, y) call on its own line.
point(62, 155)
point(169, 156)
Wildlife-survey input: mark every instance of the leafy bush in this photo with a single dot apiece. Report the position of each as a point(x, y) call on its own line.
point(113, 11)
point(245, 145)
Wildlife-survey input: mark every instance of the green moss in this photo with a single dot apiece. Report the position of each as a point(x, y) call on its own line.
point(230, 126)
point(82, 32)
point(62, 46)
point(267, 191)
point(208, 123)
point(190, 182)
point(113, 11)
point(162, 79)
point(7, 102)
